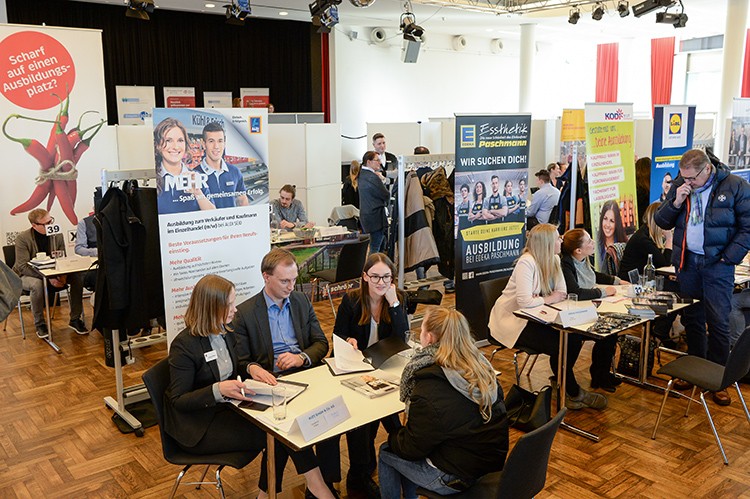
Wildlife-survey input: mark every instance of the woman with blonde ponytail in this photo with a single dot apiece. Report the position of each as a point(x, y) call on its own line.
point(457, 428)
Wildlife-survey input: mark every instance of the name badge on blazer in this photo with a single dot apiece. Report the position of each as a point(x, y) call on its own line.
point(209, 356)
point(230, 182)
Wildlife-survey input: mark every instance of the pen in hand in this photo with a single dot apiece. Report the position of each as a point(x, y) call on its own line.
point(242, 389)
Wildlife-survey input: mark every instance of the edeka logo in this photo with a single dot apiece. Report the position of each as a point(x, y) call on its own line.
point(675, 123)
point(616, 116)
point(468, 136)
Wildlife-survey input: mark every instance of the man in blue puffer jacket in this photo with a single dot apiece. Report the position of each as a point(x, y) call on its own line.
point(709, 209)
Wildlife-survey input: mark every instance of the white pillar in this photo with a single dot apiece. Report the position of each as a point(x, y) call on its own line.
point(526, 73)
point(731, 70)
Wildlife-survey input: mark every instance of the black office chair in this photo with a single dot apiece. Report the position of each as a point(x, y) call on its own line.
point(349, 267)
point(491, 291)
point(156, 380)
point(709, 377)
point(525, 470)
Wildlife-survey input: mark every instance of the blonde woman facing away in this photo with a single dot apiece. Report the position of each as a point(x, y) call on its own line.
point(537, 279)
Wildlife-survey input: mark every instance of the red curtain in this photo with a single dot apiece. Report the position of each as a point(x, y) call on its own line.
point(607, 66)
point(325, 76)
point(662, 63)
point(745, 91)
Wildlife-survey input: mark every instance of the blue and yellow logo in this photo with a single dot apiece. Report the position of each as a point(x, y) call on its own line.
point(468, 136)
point(675, 123)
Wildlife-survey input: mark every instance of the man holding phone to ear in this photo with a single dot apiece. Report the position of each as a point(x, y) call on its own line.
point(709, 209)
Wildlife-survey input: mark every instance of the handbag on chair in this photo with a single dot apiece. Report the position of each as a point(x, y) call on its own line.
point(528, 410)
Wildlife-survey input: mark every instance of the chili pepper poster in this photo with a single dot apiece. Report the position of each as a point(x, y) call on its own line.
point(673, 137)
point(212, 196)
point(611, 176)
point(492, 159)
point(54, 135)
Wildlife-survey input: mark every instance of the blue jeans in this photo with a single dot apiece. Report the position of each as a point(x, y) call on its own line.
point(396, 473)
point(377, 241)
point(714, 282)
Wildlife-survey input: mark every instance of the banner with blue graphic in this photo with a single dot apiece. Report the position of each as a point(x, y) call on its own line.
point(491, 192)
point(673, 136)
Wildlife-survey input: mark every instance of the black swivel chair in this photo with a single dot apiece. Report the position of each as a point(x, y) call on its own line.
point(709, 377)
point(491, 291)
point(525, 470)
point(156, 380)
point(349, 267)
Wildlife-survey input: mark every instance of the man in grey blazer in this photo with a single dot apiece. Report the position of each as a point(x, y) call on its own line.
point(373, 199)
point(276, 332)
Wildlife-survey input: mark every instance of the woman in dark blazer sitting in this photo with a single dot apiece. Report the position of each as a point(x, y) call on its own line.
point(203, 379)
point(366, 315)
point(581, 279)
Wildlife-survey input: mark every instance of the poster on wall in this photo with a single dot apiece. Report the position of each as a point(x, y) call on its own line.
point(134, 104)
point(212, 197)
point(179, 97)
point(611, 176)
point(217, 99)
point(673, 137)
point(54, 136)
point(492, 160)
point(739, 152)
point(255, 97)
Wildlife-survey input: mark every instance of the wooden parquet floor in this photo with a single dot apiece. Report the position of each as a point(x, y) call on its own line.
point(57, 438)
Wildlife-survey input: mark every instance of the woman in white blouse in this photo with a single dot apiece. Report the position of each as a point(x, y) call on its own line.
point(537, 279)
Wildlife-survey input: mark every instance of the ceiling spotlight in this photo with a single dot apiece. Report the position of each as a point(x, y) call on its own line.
point(237, 12)
point(575, 15)
point(362, 4)
point(623, 8)
point(325, 14)
point(139, 9)
point(649, 6)
point(676, 20)
point(598, 12)
point(412, 31)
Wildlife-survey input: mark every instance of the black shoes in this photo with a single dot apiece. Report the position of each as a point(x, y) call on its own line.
point(310, 495)
point(363, 484)
point(608, 382)
point(41, 331)
point(78, 326)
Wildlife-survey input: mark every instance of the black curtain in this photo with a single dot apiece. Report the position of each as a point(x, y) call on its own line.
point(182, 49)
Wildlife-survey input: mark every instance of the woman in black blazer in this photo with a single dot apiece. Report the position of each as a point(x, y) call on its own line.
point(203, 378)
point(366, 315)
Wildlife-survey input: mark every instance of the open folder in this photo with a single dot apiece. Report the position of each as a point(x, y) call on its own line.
point(347, 359)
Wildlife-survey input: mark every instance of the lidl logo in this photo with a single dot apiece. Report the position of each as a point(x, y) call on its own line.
point(616, 116)
point(675, 123)
point(468, 136)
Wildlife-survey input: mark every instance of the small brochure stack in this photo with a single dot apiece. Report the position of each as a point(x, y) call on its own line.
point(643, 311)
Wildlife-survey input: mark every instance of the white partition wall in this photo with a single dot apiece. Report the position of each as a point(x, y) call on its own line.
point(400, 138)
point(135, 147)
point(309, 157)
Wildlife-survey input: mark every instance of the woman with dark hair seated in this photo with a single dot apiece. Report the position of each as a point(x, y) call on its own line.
point(203, 378)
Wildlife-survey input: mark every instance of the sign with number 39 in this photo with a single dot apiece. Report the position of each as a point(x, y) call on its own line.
point(52, 229)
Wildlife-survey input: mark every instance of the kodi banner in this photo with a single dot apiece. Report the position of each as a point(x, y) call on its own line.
point(492, 159)
point(611, 175)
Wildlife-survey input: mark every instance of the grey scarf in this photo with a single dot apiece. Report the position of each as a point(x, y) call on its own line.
point(423, 358)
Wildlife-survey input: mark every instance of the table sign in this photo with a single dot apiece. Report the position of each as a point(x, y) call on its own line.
point(578, 315)
point(321, 419)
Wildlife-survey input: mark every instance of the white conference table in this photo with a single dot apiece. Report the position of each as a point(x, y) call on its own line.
point(323, 387)
point(66, 265)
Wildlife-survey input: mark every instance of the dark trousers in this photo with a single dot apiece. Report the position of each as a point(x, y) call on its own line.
point(361, 444)
point(715, 283)
point(546, 339)
point(229, 432)
point(601, 357)
point(328, 459)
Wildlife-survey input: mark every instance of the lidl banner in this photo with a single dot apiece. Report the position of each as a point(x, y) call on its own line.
point(611, 175)
point(54, 136)
point(134, 104)
point(739, 152)
point(255, 97)
point(212, 188)
point(179, 97)
point(673, 137)
point(492, 159)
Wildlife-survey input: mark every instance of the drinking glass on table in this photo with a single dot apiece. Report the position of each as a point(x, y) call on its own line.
point(278, 394)
point(571, 301)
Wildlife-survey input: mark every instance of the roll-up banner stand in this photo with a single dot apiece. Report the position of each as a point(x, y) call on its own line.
point(134, 104)
point(212, 185)
point(255, 97)
point(492, 158)
point(217, 99)
point(673, 137)
point(52, 90)
point(611, 175)
point(572, 152)
point(175, 97)
point(739, 150)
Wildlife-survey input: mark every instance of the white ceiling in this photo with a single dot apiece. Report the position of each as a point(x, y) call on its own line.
point(706, 17)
